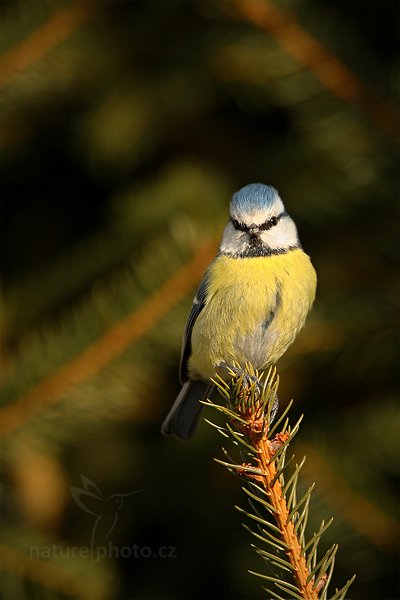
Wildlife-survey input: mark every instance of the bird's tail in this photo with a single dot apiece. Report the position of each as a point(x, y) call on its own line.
point(182, 419)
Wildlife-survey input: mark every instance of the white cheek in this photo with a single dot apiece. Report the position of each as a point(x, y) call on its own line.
point(233, 241)
point(282, 235)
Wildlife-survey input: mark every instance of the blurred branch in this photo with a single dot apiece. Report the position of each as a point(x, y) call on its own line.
point(364, 516)
point(49, 575)
point(110, 345)
point(316, 57)
point(59, 27)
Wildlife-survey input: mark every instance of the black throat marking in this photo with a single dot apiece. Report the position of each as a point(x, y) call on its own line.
point(260, 250)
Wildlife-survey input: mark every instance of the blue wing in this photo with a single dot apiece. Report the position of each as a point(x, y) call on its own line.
point(197, 306)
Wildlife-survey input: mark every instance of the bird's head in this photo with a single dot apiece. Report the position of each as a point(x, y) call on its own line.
point(259, 224)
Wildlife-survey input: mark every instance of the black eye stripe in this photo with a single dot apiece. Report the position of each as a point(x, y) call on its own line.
point(263, 227)
point(268, 224)
point(239, 226)
point(272, 222)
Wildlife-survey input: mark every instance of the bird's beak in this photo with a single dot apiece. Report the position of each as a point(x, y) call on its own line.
point(254, 231)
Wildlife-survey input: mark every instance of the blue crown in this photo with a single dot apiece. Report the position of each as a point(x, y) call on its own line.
point(255, 196)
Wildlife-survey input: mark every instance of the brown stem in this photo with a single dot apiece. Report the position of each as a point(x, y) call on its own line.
point(265, 451)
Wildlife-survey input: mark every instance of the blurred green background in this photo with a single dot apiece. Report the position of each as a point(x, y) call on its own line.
point(125, 129)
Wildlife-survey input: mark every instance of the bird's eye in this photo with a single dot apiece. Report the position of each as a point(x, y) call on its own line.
point(270, 223)
point(238, 225)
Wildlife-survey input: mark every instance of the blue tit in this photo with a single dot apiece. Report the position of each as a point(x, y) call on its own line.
point(250, 305)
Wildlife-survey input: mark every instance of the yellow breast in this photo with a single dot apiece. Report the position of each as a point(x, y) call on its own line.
point(254, 309)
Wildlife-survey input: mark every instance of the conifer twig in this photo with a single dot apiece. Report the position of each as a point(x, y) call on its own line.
point(59, 26)
point(280, 516)
point(110, 345)
point(321, 61)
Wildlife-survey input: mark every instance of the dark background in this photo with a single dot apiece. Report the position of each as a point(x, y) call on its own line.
point(125, 131)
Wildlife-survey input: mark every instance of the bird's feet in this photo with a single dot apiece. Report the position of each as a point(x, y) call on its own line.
point(274, 409)
point(249, 380)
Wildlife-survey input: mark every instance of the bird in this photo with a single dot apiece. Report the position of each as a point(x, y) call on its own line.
point(250, 305)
